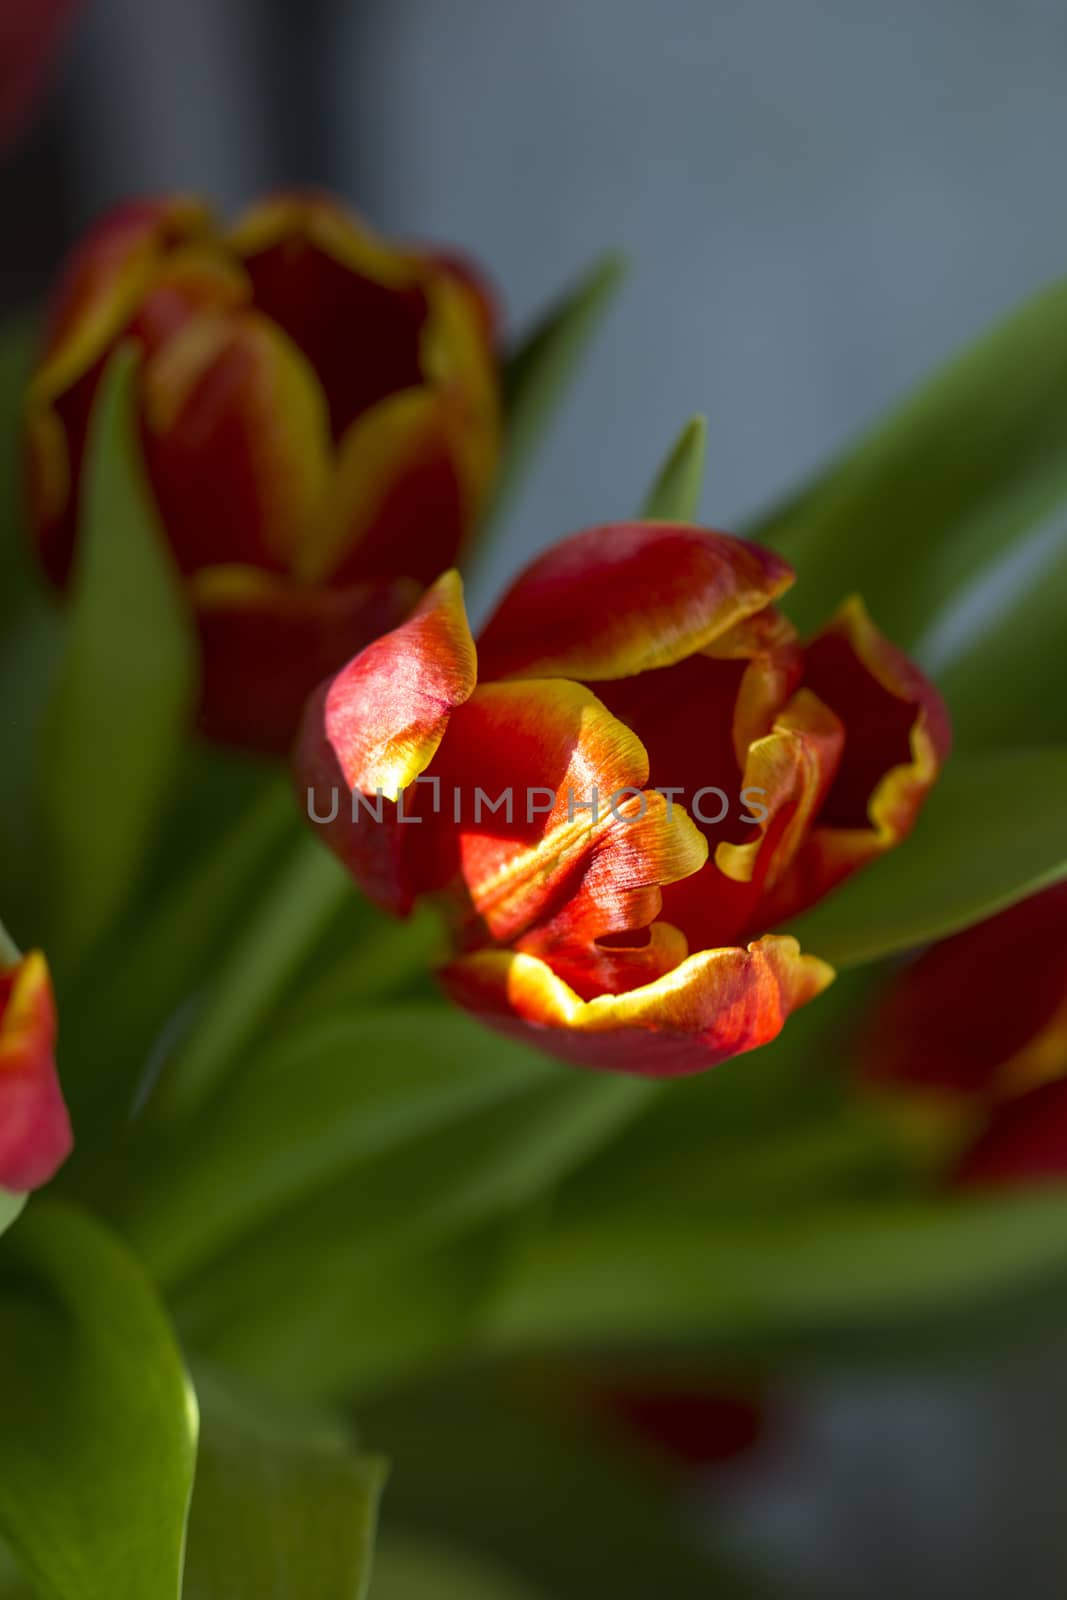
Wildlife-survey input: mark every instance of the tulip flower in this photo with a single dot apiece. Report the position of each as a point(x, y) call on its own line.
point(632, 780)
point(35, 1137)
point(975, 1030)
point(31, 33)
point(319, 413)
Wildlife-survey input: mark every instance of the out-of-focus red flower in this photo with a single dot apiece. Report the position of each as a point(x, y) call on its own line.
point(687, 1425)
point(617, 925)
point(320, 421)
point(977, 1028)
point(35, 1137)
point(31, 33)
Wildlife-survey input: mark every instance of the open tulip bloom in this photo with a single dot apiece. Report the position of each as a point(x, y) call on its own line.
point(586, 776)
point(312, 1150)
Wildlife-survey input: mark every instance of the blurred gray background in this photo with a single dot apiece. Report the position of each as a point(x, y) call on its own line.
point(821, 200)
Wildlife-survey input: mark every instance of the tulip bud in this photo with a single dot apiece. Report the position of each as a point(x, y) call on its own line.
point(319, 414)
point(35, 1137)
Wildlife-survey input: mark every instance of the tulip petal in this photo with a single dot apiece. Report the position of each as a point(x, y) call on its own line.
point(897, 737)
point(768, 645)
point(352, 304)
point(266, 643)
point(141, 273)
point(373, 730)
point(237, 444)
point(627, 597)
point(584, 850)
point(397, 506)
point(35, 1136)
point(714, 1005)
point(786, 777)
point(1023, 1145)
point(981, 1015)
point(104, 282)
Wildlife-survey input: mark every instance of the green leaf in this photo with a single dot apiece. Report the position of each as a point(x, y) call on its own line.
point(299, 1271)
point(993, 831)
point(968, 464)
point(540, 370)
point(99, 1422)
point(308, 889)
point(125, 693)
point(675, 495)
point(996, 679)
point(304, 1111)
point(278, 1513)
point(130, 996)
point(421, 1569)
point(758, 1286)
point(354, 1325)
point(10, 1208)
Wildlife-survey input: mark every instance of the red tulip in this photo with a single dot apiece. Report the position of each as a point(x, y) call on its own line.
point(320, 419)
point(978, 1026)
point(31, 33)
point(35, 1137)
point(682, 774)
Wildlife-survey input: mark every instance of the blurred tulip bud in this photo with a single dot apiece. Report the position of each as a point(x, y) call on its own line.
point(975, 1031)
point(320, 422)
point(35, 1137)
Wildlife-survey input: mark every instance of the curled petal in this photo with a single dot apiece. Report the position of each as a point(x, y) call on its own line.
point(578, 847)
point(622, 599)
point(266, 643)
point(982, 1015)
point(790, 771)
point(374, 729)
point(897, 737)
point(35, 1136)
point(767, 644)
point(714, 1005)
point(237, 444)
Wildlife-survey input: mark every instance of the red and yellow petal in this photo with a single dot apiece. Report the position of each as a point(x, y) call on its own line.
point(97, 300)
point(982, 1015)
point(791, 771)
point(386, 713)
point(237, 444)
point(35, 1135)
point(622, 599)
point(354, 305)
point(897, 738)
point(585, 849)
point(1023, 1145)
point(373, 730)
point(104, 282)
point(266, 643)
point(716, 1004)
point(768, 645)
point(397, 505)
